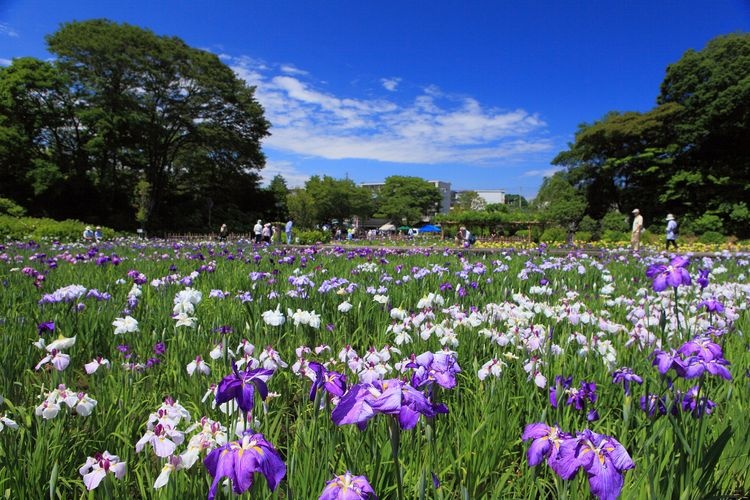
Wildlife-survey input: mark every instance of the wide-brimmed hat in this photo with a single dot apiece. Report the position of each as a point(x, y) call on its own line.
point(670, 217)
point(636, 211)
point(88, 228)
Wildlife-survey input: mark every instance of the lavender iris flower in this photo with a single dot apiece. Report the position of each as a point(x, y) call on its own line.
point(712, 305)
point(653, 404)
point(440, 368)
point(240, 460)
point(674, 275)
point(46, 326)
point(391, 397)
point(703, 347)
point(695, 366)
point(348, 487)
point(698, 406)
point(703, 278)
point(330, 381)
point(604, 459)
point(560, 387)
point(664, 361)
point(241, 386)
point(625, 376)
point(554, 445)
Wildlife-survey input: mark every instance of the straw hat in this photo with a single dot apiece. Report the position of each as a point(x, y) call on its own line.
point(670, 217)
point(636, 211)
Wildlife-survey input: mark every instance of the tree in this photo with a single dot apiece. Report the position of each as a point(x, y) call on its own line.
point(160, 109)
point(301, 208)
point(337, 199)
point(558, 201)
point(469, 200)
point(689, 155)
point(407, 199)
point(516, 200)
point(279, 192)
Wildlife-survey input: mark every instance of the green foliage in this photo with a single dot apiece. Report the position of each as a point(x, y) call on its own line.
point(553, 235)
point(688, 155)
point(407, 199)
point(615, 221)
point(705, 223)
point(121, 104)
point(9, 207)
point(301, 206)
point(313, 237)
point(559, 202)
point(337, 199)
point(712, 238)
point(612, 236)
point(468, 200)
point(30, 228)
point(589, 224)
point(584, 236)
point(279, 192)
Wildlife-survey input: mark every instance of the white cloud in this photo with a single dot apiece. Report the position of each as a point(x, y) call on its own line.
point(549, 172)
point(433, 127)
point(390, 84)
point(293, 177)
point(7, 30)
point(5, 62)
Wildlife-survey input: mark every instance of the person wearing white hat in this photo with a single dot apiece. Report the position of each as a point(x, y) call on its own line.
point(672, 231)
point(635, 236)
point(257, 230)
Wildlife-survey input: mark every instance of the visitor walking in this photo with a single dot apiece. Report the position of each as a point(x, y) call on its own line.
point(266, 232)
point(635, 236)
point(223, 232)
point(98, 234)
point(672, 231)
point(288, 231)
point(258, 230)
point(88, 234)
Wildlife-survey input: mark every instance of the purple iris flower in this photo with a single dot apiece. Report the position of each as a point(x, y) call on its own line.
point(330, 381)
point(241, 386)
point(390, 397)
point(625, 376)
point(579, 397)
point(695, 405)
point(240, 460)
point(703, 277)
point(560, 387)
point(46, 326)
point(604, 459)
point(695, 366)
point(653, 404)
point(160, 348)
point(348, 487)
point(703, 347)
point(664, 361)
point(554, 445)
point(674, 275)
point(712, 305)
point(439, 367)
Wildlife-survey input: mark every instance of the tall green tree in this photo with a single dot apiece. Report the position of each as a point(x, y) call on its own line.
point(559, 202)
point(407, 200)
point(301, 208)
point(337, 199)
point(161, 110)
point(469, 200)
point(279, 191)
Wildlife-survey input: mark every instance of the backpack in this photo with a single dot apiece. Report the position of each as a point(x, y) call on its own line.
point(472, 239)
point(676, 230)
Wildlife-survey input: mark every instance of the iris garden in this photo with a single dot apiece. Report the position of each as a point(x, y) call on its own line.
point(181, 370)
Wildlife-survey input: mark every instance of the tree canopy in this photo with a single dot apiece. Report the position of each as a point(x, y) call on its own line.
point(126, 122)
point(689, 155)
point(407, 200)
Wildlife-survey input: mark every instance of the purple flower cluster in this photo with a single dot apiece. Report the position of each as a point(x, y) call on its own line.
point(694, 358)
point(579, 398)
point(602, 457)
point(675, 274)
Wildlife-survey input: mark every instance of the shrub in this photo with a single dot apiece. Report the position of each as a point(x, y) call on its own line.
point(712, 238)
point(583, 236)
point(588, 225)
point(312, 237)
point(25, 228)
point(615, 236)
point(10, 207)
point(553, 235)
point(615, 221)
point(707, 223)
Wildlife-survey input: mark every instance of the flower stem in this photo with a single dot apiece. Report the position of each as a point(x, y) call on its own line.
point(395, 434)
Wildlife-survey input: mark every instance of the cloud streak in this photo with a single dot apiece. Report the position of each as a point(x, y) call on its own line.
point(431, 127)
point(7, 30)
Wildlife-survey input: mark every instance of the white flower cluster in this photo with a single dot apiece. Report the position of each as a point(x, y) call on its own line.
point(79, 403)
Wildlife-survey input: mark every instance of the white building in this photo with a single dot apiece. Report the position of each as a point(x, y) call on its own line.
point(445, 192)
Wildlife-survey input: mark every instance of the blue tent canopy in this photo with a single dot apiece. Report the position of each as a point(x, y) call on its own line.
point(429, 229)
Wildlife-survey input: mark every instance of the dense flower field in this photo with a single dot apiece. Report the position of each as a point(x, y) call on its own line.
point(169, 370)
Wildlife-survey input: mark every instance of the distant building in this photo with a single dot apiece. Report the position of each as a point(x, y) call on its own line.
point(488, 195)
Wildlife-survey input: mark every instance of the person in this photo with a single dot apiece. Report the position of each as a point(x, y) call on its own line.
point(635, 236)
point(464, 237)
point(274, 233)
point(258, 230)
point(266, 232)
point(288, 231)
point(672, 231)
point(88, 234)
point(223, 232)
point(98, 234)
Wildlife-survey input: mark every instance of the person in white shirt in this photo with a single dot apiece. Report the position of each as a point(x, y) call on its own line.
point(635, 236)
point(288, 231)
point(257, 230)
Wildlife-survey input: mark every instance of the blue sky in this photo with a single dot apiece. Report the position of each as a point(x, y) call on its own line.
point(482, 94)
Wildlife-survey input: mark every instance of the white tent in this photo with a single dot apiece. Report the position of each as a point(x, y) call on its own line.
point(387, 227)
